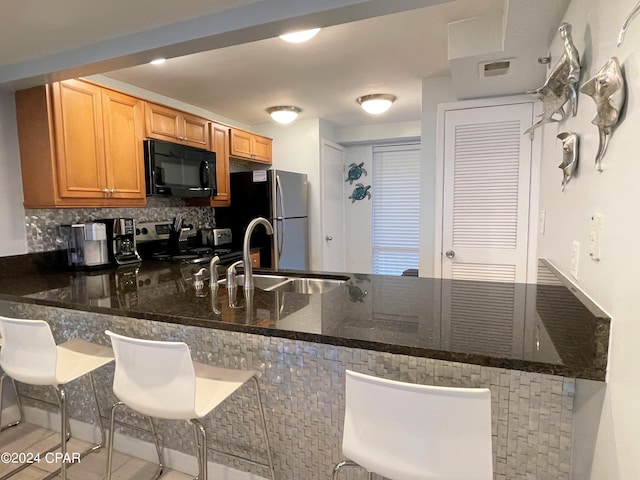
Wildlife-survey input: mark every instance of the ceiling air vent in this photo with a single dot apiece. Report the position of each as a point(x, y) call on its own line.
point(494, 69)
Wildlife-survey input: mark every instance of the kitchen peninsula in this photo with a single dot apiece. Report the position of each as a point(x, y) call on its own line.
point(527, 343)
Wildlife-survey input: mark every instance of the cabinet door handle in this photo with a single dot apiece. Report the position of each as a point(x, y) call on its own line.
point(450, 254)
point(105, 191)
point(113, 190)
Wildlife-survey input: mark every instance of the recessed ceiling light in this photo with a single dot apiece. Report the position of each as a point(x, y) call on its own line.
point(158, 61)
point(376, 103)
point(301, 36)
point(284, 113)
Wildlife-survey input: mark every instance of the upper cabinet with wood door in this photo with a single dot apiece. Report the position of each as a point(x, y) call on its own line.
point(164, 123)
point(250, 146)
point(220, 145)
point(80, 146)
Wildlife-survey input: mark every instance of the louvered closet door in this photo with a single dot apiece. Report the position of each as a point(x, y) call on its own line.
point(486, 193)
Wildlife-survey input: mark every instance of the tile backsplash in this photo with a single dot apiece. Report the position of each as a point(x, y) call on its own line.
point(42, 224)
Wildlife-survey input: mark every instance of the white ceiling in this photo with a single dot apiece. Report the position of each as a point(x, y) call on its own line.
point(31, 29)
point(388, 54)
point(391, 53)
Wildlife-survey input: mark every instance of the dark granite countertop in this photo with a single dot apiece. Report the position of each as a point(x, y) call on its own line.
point(541, 328)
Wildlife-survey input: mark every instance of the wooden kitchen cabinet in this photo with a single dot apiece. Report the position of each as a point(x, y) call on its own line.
point(220, 145)
point(80, 146)
point(250, 146)
point(164, 123)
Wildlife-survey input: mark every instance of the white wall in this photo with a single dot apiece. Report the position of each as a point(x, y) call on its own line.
point(357, 216)
point(296, 148)
point(13, 240)
point(434, 91)
point(615, 194)
point(359, 142)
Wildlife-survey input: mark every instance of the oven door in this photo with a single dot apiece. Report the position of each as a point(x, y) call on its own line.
point(178, 170)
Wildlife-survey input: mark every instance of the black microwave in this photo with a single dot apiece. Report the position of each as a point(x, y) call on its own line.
point(176, 170)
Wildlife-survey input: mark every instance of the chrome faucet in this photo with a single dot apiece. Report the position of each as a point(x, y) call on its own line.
point(246, 254)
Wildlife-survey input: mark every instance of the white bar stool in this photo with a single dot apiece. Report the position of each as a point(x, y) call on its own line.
point(405, 431)
point(159, 379)
point(30, 355)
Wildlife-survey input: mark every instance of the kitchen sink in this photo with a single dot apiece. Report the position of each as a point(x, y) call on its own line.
point(291, 284)
point(263, 282)
point(306, 285)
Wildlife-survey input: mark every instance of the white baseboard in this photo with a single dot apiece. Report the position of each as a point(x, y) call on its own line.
point(136, 448)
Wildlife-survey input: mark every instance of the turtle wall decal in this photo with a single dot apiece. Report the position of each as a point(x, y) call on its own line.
point(360, 192)
point(355, 172)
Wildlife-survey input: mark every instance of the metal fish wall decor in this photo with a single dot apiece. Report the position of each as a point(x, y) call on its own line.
point(569, 156)
point(561, 86)
point(607, 88)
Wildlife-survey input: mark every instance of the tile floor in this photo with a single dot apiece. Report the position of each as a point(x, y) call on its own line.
point(29, 438)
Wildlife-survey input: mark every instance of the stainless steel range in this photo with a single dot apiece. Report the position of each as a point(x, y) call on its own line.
point(153, 240)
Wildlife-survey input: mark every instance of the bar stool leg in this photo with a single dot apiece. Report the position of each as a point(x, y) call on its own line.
point(111, 434)
point(112, 422)
point(345, 463)
point(64, 428)
point(201, 447)
point(264, 428)
point(103, 438)
point(18, 401)
point(156, 441)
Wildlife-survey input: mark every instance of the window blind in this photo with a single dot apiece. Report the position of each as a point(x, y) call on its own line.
point(396, 209)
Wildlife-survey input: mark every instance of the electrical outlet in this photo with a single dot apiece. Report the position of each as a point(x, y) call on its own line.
point(575, 259)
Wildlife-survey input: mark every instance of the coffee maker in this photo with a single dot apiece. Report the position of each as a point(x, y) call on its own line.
point(121, 240)
point(86, 245)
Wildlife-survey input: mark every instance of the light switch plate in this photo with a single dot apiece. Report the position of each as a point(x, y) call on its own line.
point(542, 221)
point(594, 237)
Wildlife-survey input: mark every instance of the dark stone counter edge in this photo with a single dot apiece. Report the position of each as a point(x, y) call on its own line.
point(593, 373)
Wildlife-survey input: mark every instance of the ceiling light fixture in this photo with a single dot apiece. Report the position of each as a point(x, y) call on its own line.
point(301, 36)
point(376, 103)
point(158, 61)
point(284, 114)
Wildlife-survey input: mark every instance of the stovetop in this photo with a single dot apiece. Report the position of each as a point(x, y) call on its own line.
point(153, 244)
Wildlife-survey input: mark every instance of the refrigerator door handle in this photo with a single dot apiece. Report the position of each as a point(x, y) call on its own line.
point(281, 217)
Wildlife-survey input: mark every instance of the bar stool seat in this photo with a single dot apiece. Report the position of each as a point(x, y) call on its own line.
point(405, 431)
point(30, 355)
point(158, 379)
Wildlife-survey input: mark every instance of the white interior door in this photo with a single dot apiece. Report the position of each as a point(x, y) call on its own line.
point(332, 184)
point(487, 175)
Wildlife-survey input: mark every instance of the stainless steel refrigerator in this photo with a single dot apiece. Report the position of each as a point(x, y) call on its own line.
point(280, 197)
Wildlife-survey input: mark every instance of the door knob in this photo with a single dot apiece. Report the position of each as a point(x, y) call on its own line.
point(450, 254)
point(328, 238)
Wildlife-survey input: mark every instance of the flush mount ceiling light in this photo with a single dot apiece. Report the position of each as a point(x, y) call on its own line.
point(301, 36)
point(284, 114)
point(158, 61)
point(376, 103)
